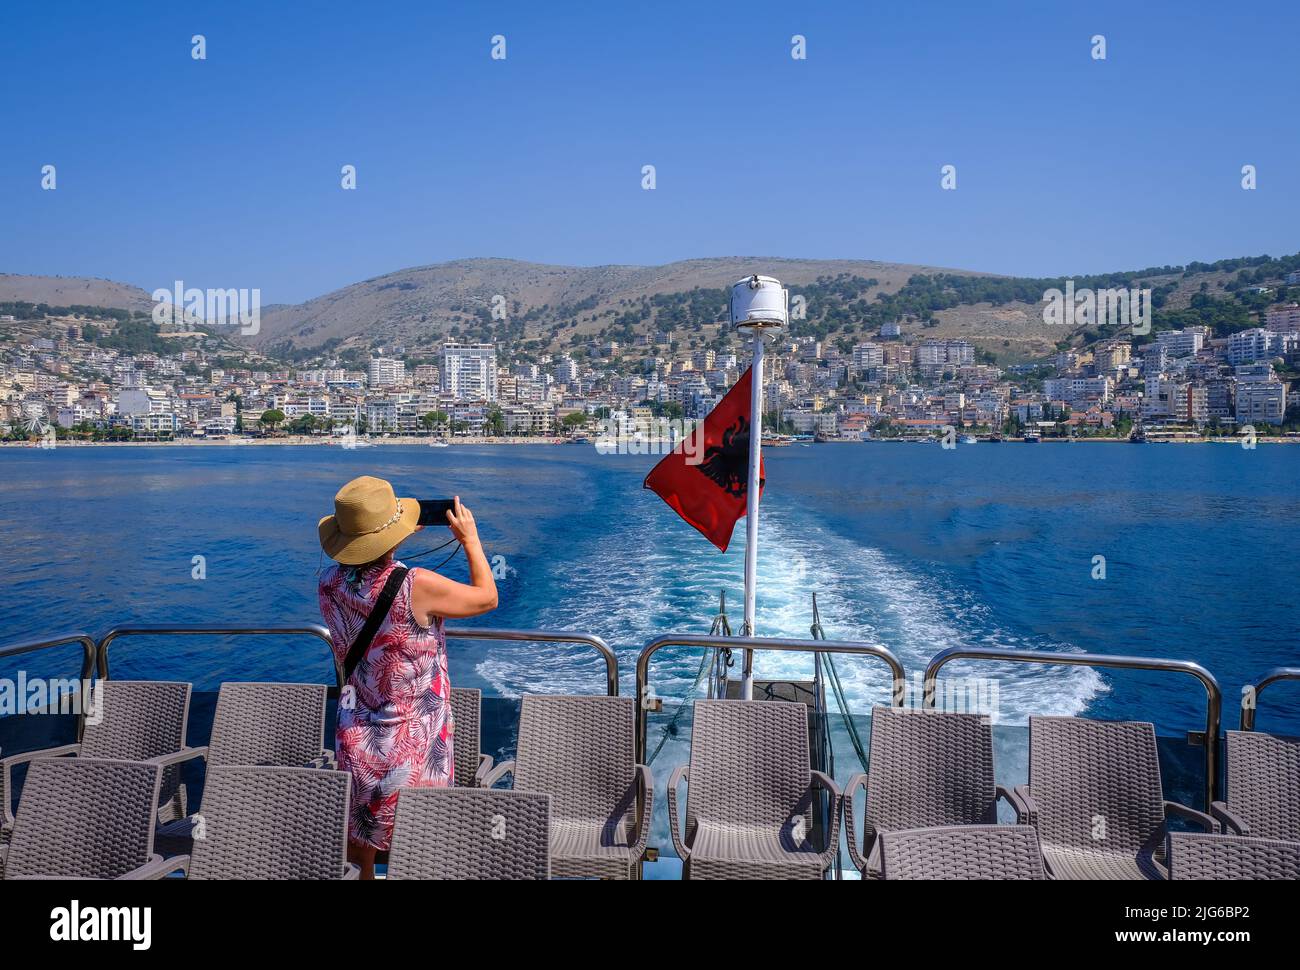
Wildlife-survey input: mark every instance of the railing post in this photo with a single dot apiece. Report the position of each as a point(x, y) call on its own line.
point(1252, 692)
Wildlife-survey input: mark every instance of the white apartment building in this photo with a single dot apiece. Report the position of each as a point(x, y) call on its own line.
point(867, 356)
point(811, 422)
point(328, 375)
point(469, 371)
point(344, 412)
point(317, 407)
point(1253, 373)
point(142, 400)
point(934, 356)
point(1261, 402)
point(385, 372)
point(1257, 344)
point(147, 424)
point(1182, 343)
point(381, 415)
point(1075, 391)
point(1156, 401)
point(566, 370)
point(526, 421)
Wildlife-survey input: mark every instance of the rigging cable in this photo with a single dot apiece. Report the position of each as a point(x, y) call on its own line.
point(720, 623)
point(838, 690)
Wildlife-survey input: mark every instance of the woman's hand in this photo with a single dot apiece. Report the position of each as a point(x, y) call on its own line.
point(433, 595)
point(461, 521)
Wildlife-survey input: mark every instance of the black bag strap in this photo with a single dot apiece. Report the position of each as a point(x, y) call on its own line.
point(383, 604)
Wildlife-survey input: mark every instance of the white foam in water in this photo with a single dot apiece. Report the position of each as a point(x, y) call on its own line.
point(660, 581)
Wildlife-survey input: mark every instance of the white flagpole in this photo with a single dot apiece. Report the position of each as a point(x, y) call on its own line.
point(758, 304)
point(751, 508)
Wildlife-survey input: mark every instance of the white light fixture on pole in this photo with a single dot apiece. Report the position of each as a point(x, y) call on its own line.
point(760, 305)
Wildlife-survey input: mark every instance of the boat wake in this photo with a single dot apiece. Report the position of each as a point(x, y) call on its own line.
point(654, 583)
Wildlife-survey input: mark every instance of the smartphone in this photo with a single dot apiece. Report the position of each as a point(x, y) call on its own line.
point(433, 511)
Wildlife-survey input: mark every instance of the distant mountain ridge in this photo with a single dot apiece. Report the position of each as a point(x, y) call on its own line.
point(419, 306)
point(72, 291)
point(533, 307)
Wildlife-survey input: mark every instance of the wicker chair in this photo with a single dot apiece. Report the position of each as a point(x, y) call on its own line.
point(582, 752)
point(280, 725)
point(87, 818)
point(460, 833)
point(928, 768)
point(950, 852)
point(134, 720)
point(471, 767)
point(273, 823)
point(750, 795)
point(1263, 787)
point(1194, 855)
point(1095, 797)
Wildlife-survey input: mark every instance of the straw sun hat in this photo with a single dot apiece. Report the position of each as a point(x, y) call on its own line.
point(368, 521)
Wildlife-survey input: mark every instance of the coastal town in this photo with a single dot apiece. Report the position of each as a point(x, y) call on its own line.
point(69, 380)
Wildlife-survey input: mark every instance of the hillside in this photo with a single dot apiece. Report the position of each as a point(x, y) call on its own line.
point(421, 306)
point(543, 308)
point(552, 308)
point(72, 291)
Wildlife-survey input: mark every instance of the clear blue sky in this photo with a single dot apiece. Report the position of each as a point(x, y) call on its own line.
point(225, 172)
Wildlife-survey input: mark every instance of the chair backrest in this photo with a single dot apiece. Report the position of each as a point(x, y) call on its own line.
point(1097, 783)
point(466, 715)
point(135, 720)
point(582, 752)
point(272, 823)
point(749, 764)
point(1195, 855)
point(929, 768)
point(84, 818)
point(268, 724)
point(1264, 783)
point(471, 833)
point(962, 852)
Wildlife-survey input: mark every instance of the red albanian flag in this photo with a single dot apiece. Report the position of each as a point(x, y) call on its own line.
point(704, 480)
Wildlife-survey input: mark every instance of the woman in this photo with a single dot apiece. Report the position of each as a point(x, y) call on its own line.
point(395, 727)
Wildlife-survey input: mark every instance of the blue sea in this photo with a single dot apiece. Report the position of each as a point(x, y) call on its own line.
point(910, 546)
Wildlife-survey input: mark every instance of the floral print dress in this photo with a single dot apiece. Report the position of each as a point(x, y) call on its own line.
point(395, 725)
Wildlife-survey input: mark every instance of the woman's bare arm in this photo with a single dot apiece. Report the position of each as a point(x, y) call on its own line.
point(434, 595)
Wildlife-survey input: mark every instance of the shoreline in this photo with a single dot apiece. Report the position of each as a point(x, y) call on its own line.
point(301, 441)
